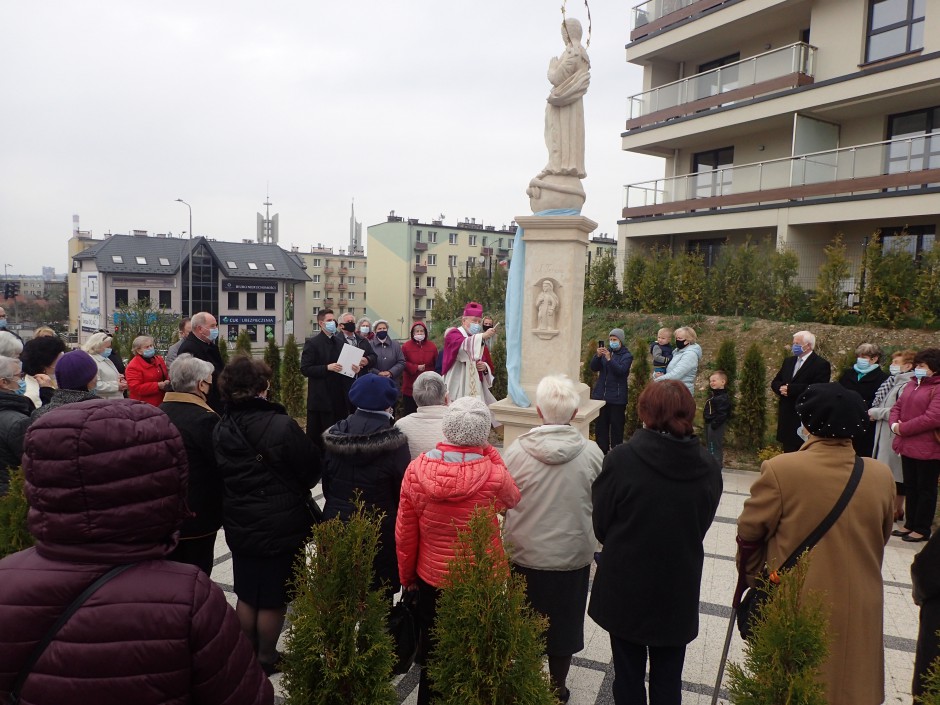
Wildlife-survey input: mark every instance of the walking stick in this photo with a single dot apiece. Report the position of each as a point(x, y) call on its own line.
point(746, 549)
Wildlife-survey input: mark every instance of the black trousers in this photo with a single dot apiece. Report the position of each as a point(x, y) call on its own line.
point(630, 672)
point(608, 429)
point(715, 442)
point(408, 405)
point(427, 615)
point(199, 552)
point(317, 423)
point(920, 493)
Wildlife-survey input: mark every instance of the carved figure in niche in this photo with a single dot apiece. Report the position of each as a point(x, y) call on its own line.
point(546, 306)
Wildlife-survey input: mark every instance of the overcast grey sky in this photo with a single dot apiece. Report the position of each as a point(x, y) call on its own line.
point(114, 110)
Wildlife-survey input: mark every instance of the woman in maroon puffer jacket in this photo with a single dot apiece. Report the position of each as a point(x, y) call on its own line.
point(106, 484)
point(420, 356)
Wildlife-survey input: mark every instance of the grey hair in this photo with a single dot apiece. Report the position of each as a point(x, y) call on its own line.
point(429, 389)
point(140, 340)
point(806, 337)
point(200, 319)
point(96, 343)
point(187, 372)
point(9, 366)
point(557, 398)
point(10, 345)
point(869, 350)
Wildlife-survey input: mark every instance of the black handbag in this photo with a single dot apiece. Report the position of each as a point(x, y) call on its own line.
point(754, 598)
point(403, 626)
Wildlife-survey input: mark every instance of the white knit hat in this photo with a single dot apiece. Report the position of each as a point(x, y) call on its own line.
point(467, 422)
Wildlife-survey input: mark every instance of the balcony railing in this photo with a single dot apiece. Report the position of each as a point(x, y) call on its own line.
point(328, 301)
point(343, 270)
point(419, 292)
point(421, 247)
point(486, 251)
point(773, 71)
point(656, 14)
point(342, 287)
point(343, 302)
point(328, 287)
point(328, 270)
point(892, 165)
point(420, 314)
point(421, 269)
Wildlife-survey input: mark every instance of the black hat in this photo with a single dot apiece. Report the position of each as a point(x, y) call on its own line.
point(832, 411)
point(373, 393)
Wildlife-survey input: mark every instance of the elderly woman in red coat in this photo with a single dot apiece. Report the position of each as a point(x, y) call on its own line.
point(106, 484)
point(147, 376)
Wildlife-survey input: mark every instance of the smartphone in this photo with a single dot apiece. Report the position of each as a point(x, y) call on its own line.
point(600, 343)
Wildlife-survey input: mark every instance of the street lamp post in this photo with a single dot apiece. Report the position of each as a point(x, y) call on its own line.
point(190, 288)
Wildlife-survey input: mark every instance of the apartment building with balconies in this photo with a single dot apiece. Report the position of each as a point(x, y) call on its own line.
point(337, 281)
point(413, 260)
point(793, 120)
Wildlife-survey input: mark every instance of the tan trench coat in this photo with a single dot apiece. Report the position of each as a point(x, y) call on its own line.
point(790, 498)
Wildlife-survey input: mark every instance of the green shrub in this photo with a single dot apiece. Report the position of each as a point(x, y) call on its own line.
point(498, 353)
point(889, 278)
point(789, 645)
point(634, 272)
point(727, 360)
point(223, 350)
point(272, 357)
point(687, 282)
point(14, 536)
point(752, 407)
point(243, 344)
point(788, 298)
point(602, 290)
point(338, 647)
point(489, 640)
point(292, 392)
point(927, 302)
point(829, 300)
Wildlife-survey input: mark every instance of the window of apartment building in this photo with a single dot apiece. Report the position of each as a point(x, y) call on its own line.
point(317, 262)
point(117, 259)
point(351, 295)
point(894, 27)
point(351, 310)
point(710, 249)
point(252, 331)
point(316, 278)
point(417, 258)
point(351, 280)
point(316, 295)
point(452, 238)
point(484, 241)
point(352, 264)
point(233, 300)
point(451, 282)
point(269, 301)
point(511, 241)
point(429, 304)
point(143, 294)
point(451, 260)
point(252, 265)
point(166, 298)
point(432, 237)
point(712, 177)
point(417, 236)
point(251, 301)
point(915, 144)
point(715, 82)
point(914, 239)
point(432, 282)
point(472, 240)
point(120, 297)
point(342, 280)
point(141, 260)
point(432, 260)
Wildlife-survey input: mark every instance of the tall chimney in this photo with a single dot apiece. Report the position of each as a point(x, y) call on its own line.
point(75, 225)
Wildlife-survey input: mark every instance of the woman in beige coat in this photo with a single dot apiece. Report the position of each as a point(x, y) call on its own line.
point(789, 500)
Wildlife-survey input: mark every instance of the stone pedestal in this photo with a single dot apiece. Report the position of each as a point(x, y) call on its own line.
point(555, 257)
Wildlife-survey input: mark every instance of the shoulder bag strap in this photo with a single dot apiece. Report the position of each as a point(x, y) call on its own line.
point(59, 623)
point(831, 517)
point(291, 486)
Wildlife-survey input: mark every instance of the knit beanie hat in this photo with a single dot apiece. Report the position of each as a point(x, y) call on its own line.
point(373, 393)
point(75, 370)
point(467, 422)
point(619, 334)
point(829, 410)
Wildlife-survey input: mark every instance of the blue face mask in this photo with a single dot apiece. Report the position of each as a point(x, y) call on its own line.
point(797, 349)
point(475, 328)
point(106, 352)
point(330, 327)
point(614, 345)
point(920, 372)
point(213, 334)
point(22, 387)
point(3, 323)
point(149, 353)
point(364, 330)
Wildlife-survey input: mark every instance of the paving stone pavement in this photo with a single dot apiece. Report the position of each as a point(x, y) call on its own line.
point(591, 674)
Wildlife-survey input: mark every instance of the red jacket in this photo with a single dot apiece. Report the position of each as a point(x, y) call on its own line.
point(423, 353)
point(440, 490)
point(918, 410)
point(106, 484)
point(142, 377)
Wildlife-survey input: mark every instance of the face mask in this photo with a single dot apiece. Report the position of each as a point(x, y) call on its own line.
point(106, 352)
point(797, 349)
point(895, 369)
point(475, 328)
point(382, 334)
point(681, 344)
point(21, 389)
point(3, 323)
point(614, 345)
point(349, 327)
point(419, 337)
point(364, 330)
point(920, 372)
point(330, 327)
point(486, 326)
point(149, 353)
point(213, 334)
point(803, 433)
point(862, 364)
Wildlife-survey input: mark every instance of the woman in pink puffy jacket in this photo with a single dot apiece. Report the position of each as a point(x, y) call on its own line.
point(440, 490)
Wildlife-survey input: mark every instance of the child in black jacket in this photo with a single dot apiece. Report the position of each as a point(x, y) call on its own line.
point(716, 414)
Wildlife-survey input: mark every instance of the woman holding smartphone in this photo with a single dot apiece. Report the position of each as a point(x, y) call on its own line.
point(613, 362)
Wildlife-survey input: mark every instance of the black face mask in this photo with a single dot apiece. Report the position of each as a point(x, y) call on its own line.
point(486, 326)
point(681, 344)
point(382, 334)
point(349, 327)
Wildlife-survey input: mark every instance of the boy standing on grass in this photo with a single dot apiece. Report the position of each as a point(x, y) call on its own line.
point(716, 413)
point(661, 350)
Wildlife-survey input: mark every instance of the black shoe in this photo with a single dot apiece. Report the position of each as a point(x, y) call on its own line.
point(900, 532)
point(912, 539)
point(274, 667)
point(563, 695)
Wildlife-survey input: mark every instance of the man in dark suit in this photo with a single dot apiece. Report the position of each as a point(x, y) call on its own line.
point(327, 400)
point(201, 344)
point(347, 326)
point(795, 376)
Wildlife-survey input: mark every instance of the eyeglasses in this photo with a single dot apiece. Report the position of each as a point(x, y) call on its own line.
point(21, 375)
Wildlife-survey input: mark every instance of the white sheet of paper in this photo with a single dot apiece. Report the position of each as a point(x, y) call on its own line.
point(350, 355)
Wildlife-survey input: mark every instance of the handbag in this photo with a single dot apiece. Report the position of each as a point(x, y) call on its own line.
point(403, 626)
point(754, 598)
point(316, 514)
point(54, 629)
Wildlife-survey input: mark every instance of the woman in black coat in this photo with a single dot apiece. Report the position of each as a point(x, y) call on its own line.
point(653, 503)
point(925, 575)
point(366, 454)
point(267, 465)
point(864, 377)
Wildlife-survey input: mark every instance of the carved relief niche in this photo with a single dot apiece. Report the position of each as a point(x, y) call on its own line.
point(547, 308)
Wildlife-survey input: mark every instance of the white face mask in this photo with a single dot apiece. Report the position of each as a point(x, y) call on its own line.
point(419, 337)
point(803, 433)
point(894, 369)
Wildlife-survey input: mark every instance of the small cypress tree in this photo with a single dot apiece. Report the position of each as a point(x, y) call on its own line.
point(752, 405)
point(727, 360)
point(489, 640)
point(338, 647)
point(272, 357)
point(927, 303)
point(243, 344)
point(931, 682)
point(829, 300)
point(640, 375)
point(14, 536)
point(292, 382)
point(782, 660)
point(223, 350)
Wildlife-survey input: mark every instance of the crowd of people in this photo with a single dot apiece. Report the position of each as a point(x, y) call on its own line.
point(132, 470)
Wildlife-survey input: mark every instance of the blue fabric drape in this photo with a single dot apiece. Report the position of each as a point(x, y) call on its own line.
point(515, 291)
